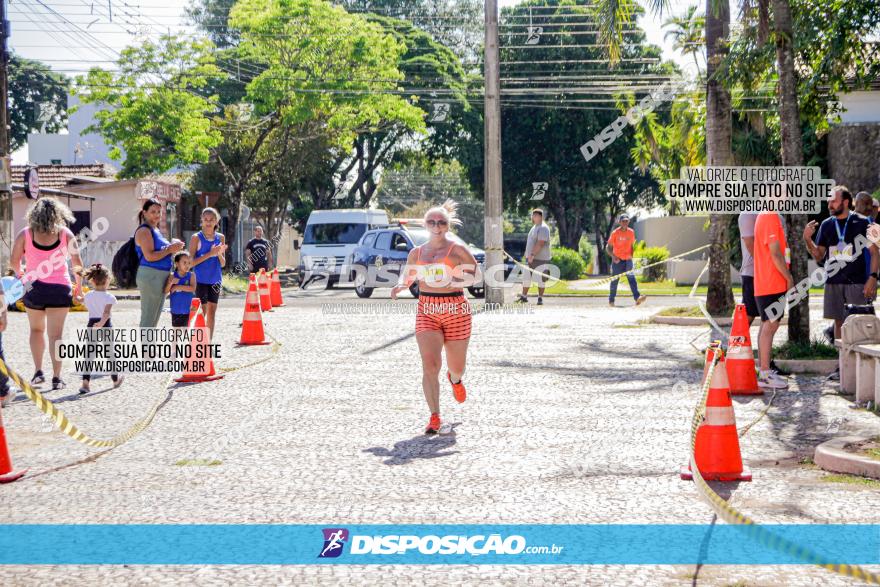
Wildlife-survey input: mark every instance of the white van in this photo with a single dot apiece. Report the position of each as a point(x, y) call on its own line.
point(330, 237)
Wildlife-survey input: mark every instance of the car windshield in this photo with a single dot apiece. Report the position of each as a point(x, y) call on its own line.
point(420, 236)
point(333, 234)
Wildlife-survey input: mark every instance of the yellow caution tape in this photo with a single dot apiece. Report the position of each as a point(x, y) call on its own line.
point(69, 428)
point(605, 280)
point(732, 516)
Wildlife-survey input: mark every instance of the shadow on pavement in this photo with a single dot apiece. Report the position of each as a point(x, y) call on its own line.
point(419, 447)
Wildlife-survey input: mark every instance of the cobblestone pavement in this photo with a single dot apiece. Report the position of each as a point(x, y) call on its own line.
point(573, 416)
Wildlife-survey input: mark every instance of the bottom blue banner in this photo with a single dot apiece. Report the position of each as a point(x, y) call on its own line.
point(607, 544)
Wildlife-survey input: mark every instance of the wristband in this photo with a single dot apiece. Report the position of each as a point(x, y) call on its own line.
point(874, 275)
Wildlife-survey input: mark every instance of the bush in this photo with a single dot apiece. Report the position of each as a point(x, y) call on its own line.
point(585, 248)
point(649, 256)
point(816, 349)
point(571, 264)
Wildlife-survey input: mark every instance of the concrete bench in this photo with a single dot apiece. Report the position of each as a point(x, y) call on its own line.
point(867, 372)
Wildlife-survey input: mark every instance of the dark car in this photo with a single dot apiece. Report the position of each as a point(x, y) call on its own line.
point(386, 249)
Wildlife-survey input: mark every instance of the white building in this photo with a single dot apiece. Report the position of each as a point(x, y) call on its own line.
point(74, 148)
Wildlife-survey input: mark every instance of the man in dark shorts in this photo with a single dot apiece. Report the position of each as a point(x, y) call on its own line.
point(856, 280)
point(772, 280)
point(258, 252)
point(746, 223)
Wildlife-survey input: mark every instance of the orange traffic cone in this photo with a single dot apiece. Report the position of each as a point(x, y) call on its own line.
point(252, 323)
point(716, 453)
point(275, 292)
point(7, 475)
point(198, 369)
point(265, 296)
point(740, 358)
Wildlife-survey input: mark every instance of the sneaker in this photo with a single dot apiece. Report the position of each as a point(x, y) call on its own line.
point(57, 384)
point(835, 375)
point(779, 370)
point(540, 301)
point(641, 300)
point(7, 399)
point(38, 378)
point(458, 389)
point(84, 390)
point(521, 299)
point(610, 304)
point(433, 424)
point(118, 381)
point(771, 380)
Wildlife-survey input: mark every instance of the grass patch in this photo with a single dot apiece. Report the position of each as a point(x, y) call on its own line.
point(553, 326)
point(807, 461)
point(815, 349)
point(851, 480)
point(198, 463)
point(626, 326)
point(234, 284)
point(873, 453)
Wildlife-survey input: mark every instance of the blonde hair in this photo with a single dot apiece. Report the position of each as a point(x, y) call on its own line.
point(48, 215)
point(449, 211)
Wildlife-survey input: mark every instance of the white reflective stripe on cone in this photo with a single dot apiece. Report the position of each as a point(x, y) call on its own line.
point(739, 352)
point(252, 316)
point(719, 379)
point(720, 416)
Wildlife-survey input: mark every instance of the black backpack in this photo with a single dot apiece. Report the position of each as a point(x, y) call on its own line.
point(125, 265)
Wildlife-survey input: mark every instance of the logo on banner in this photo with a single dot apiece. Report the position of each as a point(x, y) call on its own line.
point(334, 540)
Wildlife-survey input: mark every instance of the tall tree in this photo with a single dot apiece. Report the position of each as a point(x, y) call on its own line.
point(548, 115)
point(615, 15)
point(792, 156)
point(37, 100)
point(719, 151)
point(687, 33)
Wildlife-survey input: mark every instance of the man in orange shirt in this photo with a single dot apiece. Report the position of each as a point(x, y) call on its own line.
point(621, 244)
point(772, 281)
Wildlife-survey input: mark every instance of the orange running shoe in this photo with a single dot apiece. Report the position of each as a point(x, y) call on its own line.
point(458, 389)
point(433, 424)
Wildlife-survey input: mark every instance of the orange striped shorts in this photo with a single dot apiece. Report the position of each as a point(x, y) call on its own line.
point(449, 313)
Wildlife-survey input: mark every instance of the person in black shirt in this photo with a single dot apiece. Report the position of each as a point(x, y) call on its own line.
point(855, 282)
point(258, 252)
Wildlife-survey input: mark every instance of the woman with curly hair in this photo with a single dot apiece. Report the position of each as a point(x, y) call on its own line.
point(47, 244)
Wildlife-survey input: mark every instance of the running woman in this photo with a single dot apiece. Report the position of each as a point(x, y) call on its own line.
point(99, 302)
point(181, 286)
point(208, 250)
point(443, 318)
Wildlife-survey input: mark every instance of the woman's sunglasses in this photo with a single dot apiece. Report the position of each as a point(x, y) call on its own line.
point(433, 223)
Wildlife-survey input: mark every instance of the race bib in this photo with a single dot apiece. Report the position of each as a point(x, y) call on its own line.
point(436, 275)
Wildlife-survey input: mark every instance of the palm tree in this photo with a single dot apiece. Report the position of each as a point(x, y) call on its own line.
point(687, 33)
point(613, 16)
point(792, 155)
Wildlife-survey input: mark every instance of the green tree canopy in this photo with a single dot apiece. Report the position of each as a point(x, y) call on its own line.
point(37, 100)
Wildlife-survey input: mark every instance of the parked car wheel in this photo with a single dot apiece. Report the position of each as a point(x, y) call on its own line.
point(360, 286)
point(414, 290)
point(477, 292)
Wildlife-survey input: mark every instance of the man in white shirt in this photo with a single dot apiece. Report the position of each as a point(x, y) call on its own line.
point(538, 256)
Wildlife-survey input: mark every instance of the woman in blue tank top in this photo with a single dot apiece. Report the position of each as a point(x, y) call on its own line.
point(154, 253)
point(208, 250)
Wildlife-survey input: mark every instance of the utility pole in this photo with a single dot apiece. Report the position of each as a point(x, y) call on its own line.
point(5, 197)
point(494, 240)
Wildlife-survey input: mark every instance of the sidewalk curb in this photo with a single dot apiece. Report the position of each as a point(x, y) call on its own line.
point(831, 456)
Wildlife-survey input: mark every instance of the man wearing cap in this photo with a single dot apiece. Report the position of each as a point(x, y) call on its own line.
point(620, 244)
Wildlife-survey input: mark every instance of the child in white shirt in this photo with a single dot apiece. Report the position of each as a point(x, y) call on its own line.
point(99, 302)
